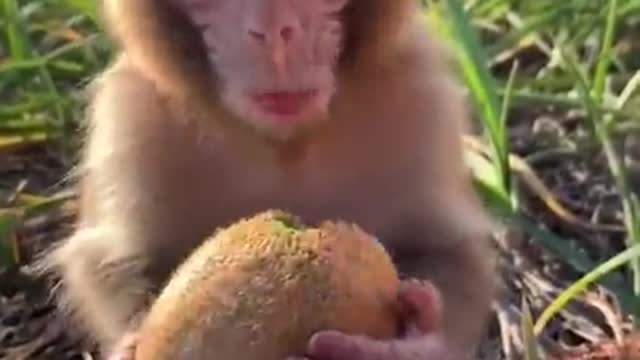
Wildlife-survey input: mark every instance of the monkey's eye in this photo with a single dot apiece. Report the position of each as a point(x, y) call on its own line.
point(334, 14)
point(334, 27)
point(197, 5)
point(257, 35)
point(335, 6)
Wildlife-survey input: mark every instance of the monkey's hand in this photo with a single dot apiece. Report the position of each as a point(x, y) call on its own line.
point(422, 312)
point(125, 349)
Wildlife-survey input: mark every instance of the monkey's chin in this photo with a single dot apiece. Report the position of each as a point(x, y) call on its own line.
point(286, 125)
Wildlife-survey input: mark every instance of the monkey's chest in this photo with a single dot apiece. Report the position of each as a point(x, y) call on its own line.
point(370, 196)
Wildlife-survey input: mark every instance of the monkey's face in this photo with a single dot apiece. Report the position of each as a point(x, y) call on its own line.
point(274, 59)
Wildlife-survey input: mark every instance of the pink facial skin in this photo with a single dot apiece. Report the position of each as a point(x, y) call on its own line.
point(275, 58)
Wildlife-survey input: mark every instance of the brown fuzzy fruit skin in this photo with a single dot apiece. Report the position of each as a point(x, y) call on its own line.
point(259, 289)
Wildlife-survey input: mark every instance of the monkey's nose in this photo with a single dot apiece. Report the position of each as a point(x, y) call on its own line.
point(275, 40)
point(276, 43)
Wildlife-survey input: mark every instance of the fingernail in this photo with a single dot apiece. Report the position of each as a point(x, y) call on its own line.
point(425, 287)
point(325, 342)
point(117, 357)
point(325, 338)
point(435, 295)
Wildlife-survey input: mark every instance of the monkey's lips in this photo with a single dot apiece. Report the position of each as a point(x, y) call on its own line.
point(285, 104)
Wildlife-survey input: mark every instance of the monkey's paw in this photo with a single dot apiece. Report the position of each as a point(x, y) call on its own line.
point(125, 349)
point(422, 314)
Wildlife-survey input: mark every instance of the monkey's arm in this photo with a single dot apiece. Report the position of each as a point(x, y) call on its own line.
point(443, 237)
point(102, 264)
point(461, 271)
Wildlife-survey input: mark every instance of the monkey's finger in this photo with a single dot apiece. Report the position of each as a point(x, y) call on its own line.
point(122, 355)
point(425, 347)
point(126, 348)
point(421, 304)
point(334, 345)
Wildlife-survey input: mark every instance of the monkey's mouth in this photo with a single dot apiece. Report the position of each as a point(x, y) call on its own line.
point(285, 104)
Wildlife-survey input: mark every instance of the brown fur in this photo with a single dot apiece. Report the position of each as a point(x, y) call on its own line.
point(166, 48)
point(165, 165)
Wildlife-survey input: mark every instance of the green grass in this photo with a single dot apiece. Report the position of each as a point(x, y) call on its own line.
point(573, 56)
point(561, 41)
point(48, 49)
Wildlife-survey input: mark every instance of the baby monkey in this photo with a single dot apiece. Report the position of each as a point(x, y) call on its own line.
point(328, 109)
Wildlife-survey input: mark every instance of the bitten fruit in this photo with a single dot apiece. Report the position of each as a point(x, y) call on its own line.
point(262, 287)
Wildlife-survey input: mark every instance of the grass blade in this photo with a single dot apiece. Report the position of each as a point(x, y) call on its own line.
point(574, 290)
point(473, 63)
